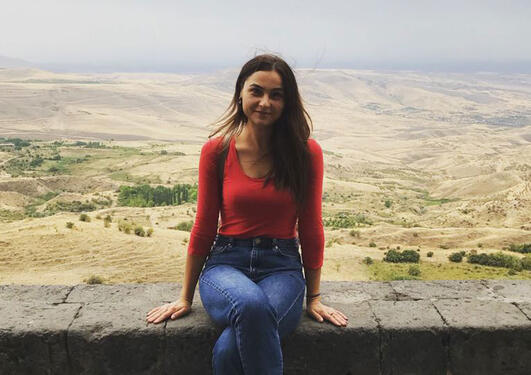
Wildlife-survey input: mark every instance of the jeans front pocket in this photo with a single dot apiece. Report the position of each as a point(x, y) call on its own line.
point(291, 251)
point(219, 248)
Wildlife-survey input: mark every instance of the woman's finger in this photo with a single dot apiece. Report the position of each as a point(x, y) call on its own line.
point(317, 316)
point(157, 309)
point(163, 316)
point(343, 315)
point(176, 311)
point(153, 310)
point(155, 313)
point(337, 319)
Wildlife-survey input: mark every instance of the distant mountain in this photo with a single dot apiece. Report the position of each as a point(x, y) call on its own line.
point(10, 62)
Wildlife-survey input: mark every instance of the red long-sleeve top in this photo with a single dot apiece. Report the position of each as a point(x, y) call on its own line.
point(250, 210)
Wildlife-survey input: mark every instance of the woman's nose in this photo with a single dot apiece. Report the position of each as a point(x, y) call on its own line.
point(264, 101)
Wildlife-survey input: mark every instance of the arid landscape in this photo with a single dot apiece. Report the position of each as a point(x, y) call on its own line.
point(431, 162)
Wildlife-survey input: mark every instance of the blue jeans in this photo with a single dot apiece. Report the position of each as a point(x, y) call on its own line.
point(254, 289)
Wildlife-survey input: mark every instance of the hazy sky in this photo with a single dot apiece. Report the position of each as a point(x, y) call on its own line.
point(194, 35)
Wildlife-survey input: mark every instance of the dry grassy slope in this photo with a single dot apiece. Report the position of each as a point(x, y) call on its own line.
point(396, 136)
point(45, 251)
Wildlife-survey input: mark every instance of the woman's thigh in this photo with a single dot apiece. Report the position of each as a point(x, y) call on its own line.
point(285, 292)
point(223, 289)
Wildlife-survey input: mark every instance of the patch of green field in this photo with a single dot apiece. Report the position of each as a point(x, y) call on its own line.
point(430, 201)
point(97, 160)
point(8, 215)
point(383, 271)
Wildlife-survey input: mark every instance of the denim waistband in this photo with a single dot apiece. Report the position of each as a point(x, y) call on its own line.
point(261, 241)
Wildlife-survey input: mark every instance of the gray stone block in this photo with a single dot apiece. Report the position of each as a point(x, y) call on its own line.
point(189, 343)
point(33, 337)
point(357, 291)
point(114, 338)
point(127, 293)
point(486, 337)
point(525, 307)
point(413, 337)
point(511, 290)
point(440, 289)
point(353, 349)
point(51, 294)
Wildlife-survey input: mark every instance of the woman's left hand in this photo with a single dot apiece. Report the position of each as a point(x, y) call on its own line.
point(319, 312)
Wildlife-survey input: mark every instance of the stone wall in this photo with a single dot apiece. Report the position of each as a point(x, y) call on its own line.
point(399, 327)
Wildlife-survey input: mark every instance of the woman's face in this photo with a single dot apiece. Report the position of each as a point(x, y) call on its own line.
point(263, 98)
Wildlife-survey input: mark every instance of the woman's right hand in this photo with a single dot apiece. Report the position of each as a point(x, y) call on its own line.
point(172, 310)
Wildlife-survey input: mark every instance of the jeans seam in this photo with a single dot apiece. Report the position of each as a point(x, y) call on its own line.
point(237, 329)
point(293, 303)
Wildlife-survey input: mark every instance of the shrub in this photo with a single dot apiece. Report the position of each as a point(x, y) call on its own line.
point(106, 224)
point(511, 272)
point(346, 220)
point(93, 279)
point(69, 224)
point(429, 254)
point(185, 226)
point(355, 233)
point(392, 256)
point(498, 259)
point(108, 218)
point(332, 241)
point(368, 260)
point(98, 217)
point(455, 257)
point(125, 226)
point(387, 203)
point(84, 217)
point(406, 256)
point(372, 244)
point(139, 231)
point(522, 248)
point(526, 262)
point(480, 244)
point(410, 256)
point(149, 232)
point(445, 247)
point(414, 270)
point(74, 206)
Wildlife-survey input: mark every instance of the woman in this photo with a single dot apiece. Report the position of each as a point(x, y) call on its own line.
point(263, 175)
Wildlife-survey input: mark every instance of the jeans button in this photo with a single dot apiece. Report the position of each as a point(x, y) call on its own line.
point(257, 241)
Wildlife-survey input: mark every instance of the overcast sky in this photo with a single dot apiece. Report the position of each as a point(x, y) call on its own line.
point(159, 35)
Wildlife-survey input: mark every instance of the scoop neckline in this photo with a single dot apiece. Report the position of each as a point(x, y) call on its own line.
point(233, 146)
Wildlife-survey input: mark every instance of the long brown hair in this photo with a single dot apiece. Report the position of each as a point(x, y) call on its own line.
point(291, 157)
